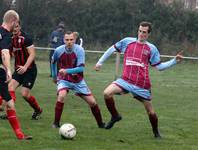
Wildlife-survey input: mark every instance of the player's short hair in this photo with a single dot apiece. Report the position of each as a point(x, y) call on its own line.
point(146, 24)
point(68, 32)
point(10, 16)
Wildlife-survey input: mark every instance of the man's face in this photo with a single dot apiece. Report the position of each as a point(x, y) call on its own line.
point(12, 25)
point(69, 40)
point(16, 29)
point(143, 34)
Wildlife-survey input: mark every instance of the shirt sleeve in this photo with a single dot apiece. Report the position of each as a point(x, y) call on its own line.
point(6, 43)
point(28, 41)
point(54, 64)
point(54, 70)
point(121, 45)
point(80, 56)
point(55, 56)
point(166, 65)
point(106, 55)
point(75, 70)
point(155, 56)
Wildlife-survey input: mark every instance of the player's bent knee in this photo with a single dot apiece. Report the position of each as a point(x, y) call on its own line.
point(107, 94)
point(25, 95)
point(61, 98)
point(10, 87)
point(92, 103)
point(151, 112)
point(10, 105)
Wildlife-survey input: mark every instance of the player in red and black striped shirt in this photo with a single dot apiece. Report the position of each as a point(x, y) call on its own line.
point(25, 68)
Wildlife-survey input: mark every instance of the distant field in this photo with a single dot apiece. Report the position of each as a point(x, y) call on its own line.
point(175, 98)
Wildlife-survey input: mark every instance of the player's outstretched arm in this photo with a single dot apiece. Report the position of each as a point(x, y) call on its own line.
point(104, 57)
point(168, 64)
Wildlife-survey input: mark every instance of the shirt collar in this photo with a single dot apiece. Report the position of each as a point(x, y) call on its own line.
point(69, 50)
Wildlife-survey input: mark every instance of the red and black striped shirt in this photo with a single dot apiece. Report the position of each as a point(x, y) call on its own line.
point(20, 44)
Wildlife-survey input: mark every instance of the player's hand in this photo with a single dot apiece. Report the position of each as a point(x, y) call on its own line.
point(9, 76)
point(179, 56)
point(97, 67)
point(21, 69)
point(62, 72)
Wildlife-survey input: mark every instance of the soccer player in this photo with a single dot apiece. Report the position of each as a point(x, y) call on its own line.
point(138, 54)
point(71, 60)
point(10, 18)
point(25, 68)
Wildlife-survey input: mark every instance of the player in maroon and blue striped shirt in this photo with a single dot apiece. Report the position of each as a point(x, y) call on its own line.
point(138, 54)
point(71, 61)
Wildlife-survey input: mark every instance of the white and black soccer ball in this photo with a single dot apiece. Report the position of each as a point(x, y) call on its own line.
point(67, 131)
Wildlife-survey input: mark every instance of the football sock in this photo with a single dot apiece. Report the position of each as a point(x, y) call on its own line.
point(154, 121)
point(33, 103)
point(96, 112)
point(14, 123)
point(12, 94)
point(111, 106)
point(1, 100)
point(58, 112)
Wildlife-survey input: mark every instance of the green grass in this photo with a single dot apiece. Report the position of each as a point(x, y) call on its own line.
point(175, 98)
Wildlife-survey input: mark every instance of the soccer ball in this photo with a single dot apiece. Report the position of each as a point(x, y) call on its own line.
point(67, 131)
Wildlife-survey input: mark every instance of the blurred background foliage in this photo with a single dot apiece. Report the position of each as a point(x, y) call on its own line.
point(103, 22)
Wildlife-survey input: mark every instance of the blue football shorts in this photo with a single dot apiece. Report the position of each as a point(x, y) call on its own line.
point(78, 88)
point(136, 91)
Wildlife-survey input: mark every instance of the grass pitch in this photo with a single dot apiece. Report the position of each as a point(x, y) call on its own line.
point(175, 99)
